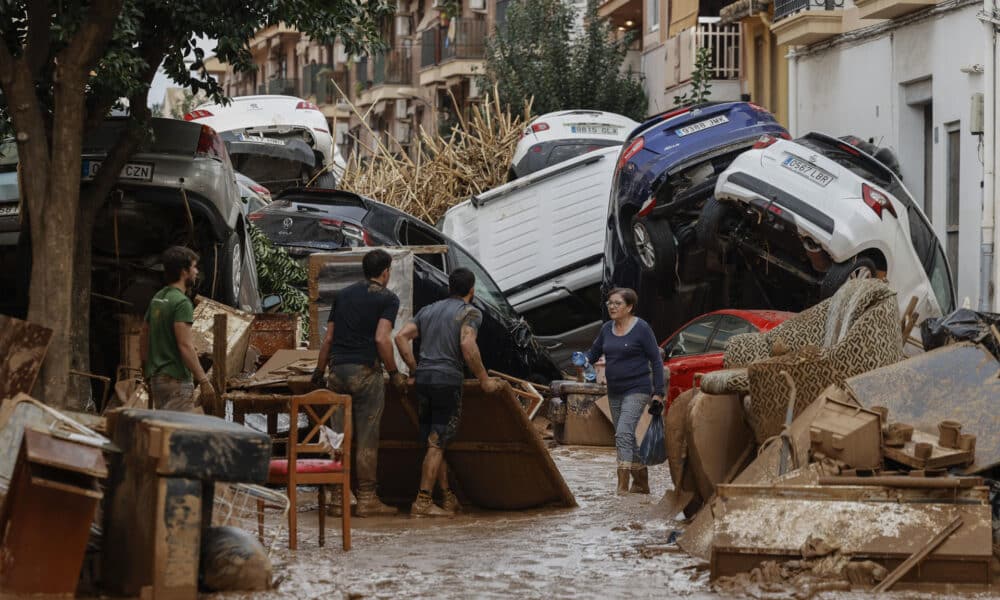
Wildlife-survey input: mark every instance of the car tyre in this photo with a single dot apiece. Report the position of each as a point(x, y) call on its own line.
point(230, 282)
point(326, 181)
point(654, 246)
point(714, 223)
point(859, 267)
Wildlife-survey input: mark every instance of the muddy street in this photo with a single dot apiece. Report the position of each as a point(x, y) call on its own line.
point(608, 547)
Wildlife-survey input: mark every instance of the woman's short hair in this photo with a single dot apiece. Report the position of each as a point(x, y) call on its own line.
point(628, 296)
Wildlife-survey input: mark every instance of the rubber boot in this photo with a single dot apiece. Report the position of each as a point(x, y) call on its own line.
point(451, 503)
point(369, 505)
point(424, 507)
point(640, 480)
point(623, 474)
point(335, 505)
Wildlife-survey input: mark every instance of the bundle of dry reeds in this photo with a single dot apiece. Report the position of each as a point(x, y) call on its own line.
point(441, 171)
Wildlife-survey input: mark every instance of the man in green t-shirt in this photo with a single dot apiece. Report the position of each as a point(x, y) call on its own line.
point(169, 354)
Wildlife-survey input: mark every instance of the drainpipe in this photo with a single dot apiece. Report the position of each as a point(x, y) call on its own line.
point(987, 267)
point(793, 92)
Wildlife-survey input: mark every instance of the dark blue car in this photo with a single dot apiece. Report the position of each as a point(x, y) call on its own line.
point(666, 170)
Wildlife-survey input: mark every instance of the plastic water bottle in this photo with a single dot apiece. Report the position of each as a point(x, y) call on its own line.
point(580, 360)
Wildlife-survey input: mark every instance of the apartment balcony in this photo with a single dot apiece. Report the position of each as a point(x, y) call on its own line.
point(361, 74)
point(321, 82)
point(443, 57)
point(619, 11)
point(889, 9)
point(723, 44)
point(394, 67)
point(283, 86)
point(805, 22)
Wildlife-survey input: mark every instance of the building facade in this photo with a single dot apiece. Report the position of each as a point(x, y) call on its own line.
point(903, 74)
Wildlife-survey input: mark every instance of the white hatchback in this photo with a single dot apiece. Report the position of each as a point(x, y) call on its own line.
point(824, 211)
point(558, 136)
point(276, 117)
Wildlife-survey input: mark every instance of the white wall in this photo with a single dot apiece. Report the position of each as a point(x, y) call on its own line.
point(860, 88)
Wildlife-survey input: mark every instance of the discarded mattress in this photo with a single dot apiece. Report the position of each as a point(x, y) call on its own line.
point(960, 382)
point(496, 461)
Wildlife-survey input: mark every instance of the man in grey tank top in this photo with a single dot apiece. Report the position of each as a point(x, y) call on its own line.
point(447, 330)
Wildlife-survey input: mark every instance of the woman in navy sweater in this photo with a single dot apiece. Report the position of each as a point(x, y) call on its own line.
point(634, 371)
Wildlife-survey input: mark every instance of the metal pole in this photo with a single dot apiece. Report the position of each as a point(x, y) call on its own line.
point(986, 267)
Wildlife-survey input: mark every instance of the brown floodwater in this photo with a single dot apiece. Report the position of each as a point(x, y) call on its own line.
point(608, 547)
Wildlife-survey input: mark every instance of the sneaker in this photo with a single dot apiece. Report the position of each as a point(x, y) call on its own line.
point(424, 507)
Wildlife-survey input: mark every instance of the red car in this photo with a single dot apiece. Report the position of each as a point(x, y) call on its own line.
point(697, 347)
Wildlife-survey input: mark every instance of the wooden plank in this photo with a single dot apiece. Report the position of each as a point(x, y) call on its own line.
point(22, 350)
point(917, 556)
point(220, 356)
point(940, 458)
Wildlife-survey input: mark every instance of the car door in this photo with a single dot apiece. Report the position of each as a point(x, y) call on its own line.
point(711, 358)
point(684, 352)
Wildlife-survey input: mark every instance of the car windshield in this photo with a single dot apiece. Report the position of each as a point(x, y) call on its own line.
point(486, 289)
point(8, 155)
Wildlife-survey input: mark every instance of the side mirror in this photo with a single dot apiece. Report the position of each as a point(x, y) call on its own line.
point(271, 303)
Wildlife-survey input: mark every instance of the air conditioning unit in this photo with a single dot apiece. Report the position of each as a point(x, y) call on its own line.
point(473, 88)
point(400, 106)
point(477, 4)
point(403, 130)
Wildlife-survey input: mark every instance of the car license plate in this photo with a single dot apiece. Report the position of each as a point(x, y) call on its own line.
point(593, 129)
point(132, 171)
point(702, 125)
point(808, 170)
point(259, 139)
point(10, 210)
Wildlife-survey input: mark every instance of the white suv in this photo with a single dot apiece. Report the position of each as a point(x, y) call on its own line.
point(558, 136)
point(821, 210)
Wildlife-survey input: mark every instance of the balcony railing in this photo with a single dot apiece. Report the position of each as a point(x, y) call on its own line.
point(785, 8)
point(468, 42)
point(282, 85)
point(318, 81)
point(361, 72)
point(393, 67)
point(723, 43)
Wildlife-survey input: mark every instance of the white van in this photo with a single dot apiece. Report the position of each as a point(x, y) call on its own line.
point(541, 238)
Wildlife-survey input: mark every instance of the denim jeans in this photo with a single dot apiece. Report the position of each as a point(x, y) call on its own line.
point(366, 387)
point(626, 409)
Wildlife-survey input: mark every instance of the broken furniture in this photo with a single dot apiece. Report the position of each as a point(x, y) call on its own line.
point(576, 417)
point(848, 434)
point(22, 349)
point(854, 331)
point(47, 513)
point(496, 461)
point(160, 495)
point(959, 381)
point(295, 469)
point(881, 523)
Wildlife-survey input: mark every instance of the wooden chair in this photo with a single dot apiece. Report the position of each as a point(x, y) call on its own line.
point(319, 406)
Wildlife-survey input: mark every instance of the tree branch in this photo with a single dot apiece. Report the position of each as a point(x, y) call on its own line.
point(86, 45)
point(38, 38)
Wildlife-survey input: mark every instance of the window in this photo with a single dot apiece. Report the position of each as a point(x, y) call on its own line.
point(941, 282)
point(953, 177)
point(728, 327)
point(565, 314)
point(693, 339)
point(654, 14)
point(413, 235)
point(486, 288)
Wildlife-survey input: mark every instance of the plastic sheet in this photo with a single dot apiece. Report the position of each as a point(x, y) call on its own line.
point(962, 325)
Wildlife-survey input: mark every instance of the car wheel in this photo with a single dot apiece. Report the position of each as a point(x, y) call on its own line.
point(228, 286)
point(326, 181)
point(715, 222)
point(859, 267)
point(653, 244)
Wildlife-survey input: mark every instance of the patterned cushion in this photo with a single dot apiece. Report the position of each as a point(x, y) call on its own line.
point(279, 466)
point(726, 381)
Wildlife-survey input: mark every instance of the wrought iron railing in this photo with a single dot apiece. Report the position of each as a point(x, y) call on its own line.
point(318, 82)
point(361, 72)
point(283, 85)
point(430, 47)
point(723, 43)
point(784, 8)
point(393, 67)
point(463, 39)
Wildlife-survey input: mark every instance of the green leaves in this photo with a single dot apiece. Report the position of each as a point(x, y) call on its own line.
point(701, 86)
point(535, 54)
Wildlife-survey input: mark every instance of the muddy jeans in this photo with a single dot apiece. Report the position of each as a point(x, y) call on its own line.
point(367, 390)
point(626, 410)
point(167, 393)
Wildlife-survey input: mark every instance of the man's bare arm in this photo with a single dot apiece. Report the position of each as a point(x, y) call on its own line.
point(470, 351)
point(404, 342)
point(185, 344)
point(324, 349)
point(383, 344)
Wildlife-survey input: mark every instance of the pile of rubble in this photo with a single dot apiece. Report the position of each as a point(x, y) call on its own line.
point(823, 458)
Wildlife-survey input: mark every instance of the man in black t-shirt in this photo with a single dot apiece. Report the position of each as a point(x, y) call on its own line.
point(358, 334)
